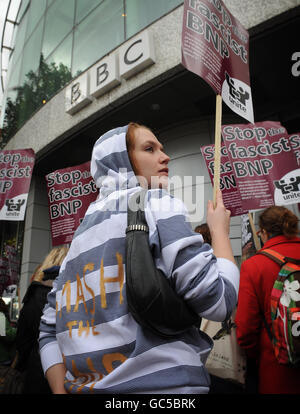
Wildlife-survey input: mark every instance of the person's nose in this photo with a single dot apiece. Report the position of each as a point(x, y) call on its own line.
point(164, 159)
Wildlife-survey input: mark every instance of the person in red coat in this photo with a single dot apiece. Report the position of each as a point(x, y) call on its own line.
point(278, 231)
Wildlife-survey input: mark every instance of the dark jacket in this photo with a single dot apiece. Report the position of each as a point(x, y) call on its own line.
point(7, 342)
point(28, 333)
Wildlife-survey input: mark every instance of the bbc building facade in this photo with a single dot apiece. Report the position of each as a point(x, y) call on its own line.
point(85, 67)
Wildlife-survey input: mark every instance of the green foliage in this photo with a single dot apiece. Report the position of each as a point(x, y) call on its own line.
point(37, 89)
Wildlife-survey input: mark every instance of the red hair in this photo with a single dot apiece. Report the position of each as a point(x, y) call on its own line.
point(277, 220)
point(130, 140)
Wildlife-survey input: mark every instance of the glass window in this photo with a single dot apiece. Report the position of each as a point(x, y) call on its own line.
point(140, 13)
point(32, 51)
point(83, 7)
point(14, 74)
point(9, 113)
point(37, 8)
point(22, 9)
point(94, 39)
point(20, 36)
point(62, 55)
point(59, 22)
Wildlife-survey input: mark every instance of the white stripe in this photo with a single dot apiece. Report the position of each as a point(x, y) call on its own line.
point(114, 180)
point(170, 252)
point(161, 357)
point(50, 355)
point(49, 316)
point(210, 277)
point(216, 313)
point(229, 271)
point(99, 204)
point(116, 143)
point(116, 333)
point(166, 203)
point(166, 208)
point(115, 195)
point(114, 227)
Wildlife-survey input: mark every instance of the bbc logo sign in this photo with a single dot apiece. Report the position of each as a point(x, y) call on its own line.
point(129, 59)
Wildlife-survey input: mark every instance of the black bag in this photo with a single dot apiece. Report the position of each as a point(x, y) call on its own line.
point(11, 380)
point(152, 301)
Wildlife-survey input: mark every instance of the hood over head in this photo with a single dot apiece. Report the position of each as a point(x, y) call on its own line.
point(110, 165)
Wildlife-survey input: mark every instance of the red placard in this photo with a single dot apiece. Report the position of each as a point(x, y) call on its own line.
point(263, 163)
point(15, 175)
point(230, 192)
point(295, 144)
point(215, 46)
point(70, 192)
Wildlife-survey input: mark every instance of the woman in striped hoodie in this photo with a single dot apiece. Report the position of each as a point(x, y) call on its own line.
point(89, 342)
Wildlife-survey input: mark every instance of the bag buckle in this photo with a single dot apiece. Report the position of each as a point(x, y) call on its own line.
point(139, 227)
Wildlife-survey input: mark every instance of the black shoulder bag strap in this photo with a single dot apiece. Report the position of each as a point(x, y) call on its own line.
point(152, 301)
point(136, 214)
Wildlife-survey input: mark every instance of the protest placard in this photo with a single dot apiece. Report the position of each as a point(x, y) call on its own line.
point(215, 46)
point(15, 175)
point(230, 192)
point(70, 191)
point(295, 144)
point(263, 163)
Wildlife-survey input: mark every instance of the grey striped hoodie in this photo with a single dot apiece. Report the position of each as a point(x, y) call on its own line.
point(86, 323)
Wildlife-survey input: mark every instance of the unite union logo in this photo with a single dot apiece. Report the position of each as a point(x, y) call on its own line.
point(287, 188)
point(14, 206)
point(288, 185)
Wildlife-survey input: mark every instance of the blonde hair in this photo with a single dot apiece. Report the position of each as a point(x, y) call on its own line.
point(54, 258)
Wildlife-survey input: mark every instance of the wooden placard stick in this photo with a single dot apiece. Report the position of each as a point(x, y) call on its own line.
point(217, 159)
point(255, 238)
